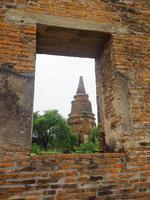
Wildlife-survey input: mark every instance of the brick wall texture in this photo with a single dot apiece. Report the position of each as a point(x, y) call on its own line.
point(123, 88)
point(69, 177)
point(123, 65)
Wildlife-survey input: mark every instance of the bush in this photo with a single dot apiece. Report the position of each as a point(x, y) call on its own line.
point(92, 146)
point(89, 147)
point(36, 149)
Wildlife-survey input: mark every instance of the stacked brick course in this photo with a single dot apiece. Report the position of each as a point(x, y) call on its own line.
point(69, 177)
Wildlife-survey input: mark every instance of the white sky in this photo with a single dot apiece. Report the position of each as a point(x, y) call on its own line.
point(57, 79)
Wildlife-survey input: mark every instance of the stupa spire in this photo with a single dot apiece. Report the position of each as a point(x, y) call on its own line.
point(81, 119)
point(81, 88)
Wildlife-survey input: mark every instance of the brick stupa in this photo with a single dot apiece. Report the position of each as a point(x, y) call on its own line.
point(81, 118)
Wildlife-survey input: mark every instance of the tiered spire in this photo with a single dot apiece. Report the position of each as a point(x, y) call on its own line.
point(81, 88)
point(81, 118)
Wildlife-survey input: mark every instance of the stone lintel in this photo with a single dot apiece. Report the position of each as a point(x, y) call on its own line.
point(65, 22)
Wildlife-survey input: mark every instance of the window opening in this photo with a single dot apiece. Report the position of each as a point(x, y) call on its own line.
point(65, 111)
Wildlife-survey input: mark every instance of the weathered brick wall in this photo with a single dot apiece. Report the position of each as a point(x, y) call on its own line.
point(135, 67)
point(16, 95)
point(70, 177)
point(127, 21)
point(101, 176)
point(106, 96)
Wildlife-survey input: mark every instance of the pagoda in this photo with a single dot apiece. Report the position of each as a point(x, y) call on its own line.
point(81, 119)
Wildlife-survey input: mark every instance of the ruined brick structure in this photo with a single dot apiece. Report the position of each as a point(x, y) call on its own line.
point(116, 34)
point(81, 119)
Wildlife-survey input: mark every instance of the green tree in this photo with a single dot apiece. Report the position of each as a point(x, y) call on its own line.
point(51, 130)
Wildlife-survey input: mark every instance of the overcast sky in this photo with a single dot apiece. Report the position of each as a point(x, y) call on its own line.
point(57, 79)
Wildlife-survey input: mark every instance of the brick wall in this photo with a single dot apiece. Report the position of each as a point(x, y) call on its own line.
point(126, 21)
point(101, 176)
point(16, 95)
point(84, 177)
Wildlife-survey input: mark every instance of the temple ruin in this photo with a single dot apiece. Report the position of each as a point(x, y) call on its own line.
point(81, 119)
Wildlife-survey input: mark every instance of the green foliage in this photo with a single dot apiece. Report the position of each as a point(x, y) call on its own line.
point(94, 134)
point(89, 147)
point(51, 130)
point(36, 149)
point(52, 134)
point(92, 146)
point(51, 151)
